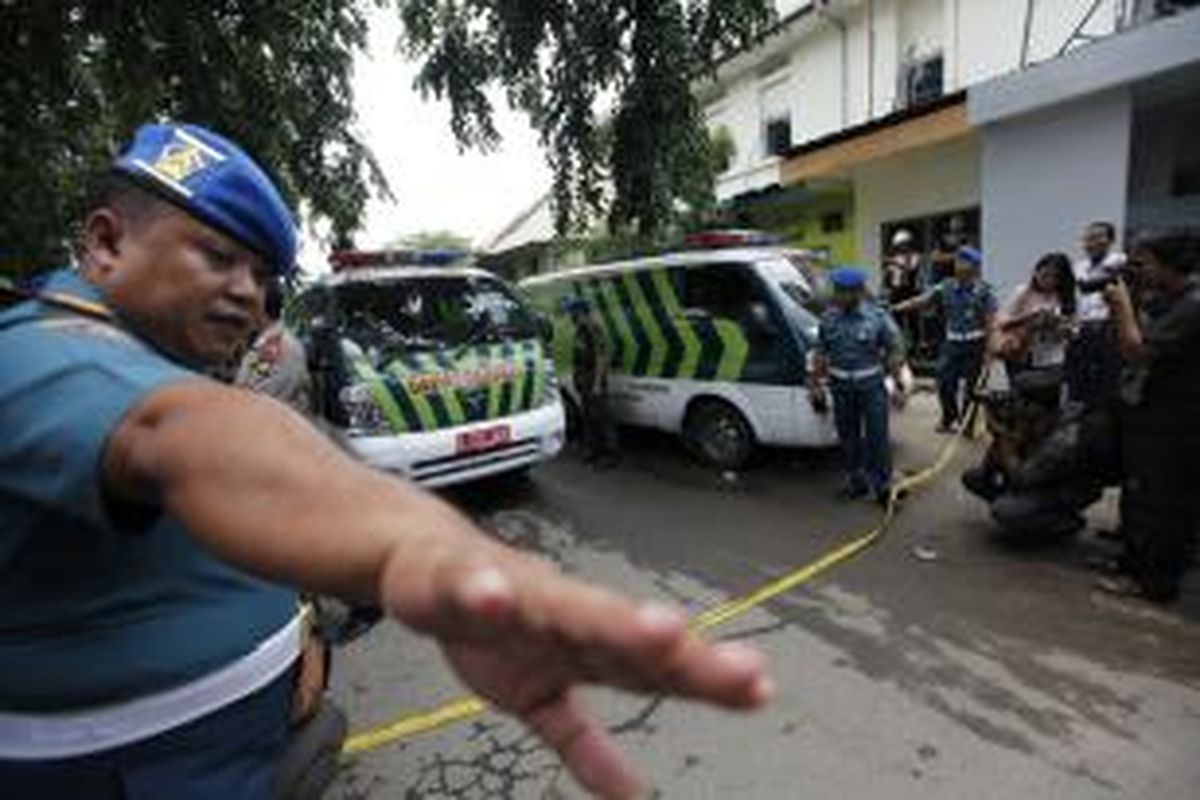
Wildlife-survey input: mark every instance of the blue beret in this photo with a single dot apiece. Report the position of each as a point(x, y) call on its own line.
point(848, 278)
point(215, 181)
point(971, 255)
point(574, 305)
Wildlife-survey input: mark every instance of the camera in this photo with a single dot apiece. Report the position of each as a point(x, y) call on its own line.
point(1102, 281)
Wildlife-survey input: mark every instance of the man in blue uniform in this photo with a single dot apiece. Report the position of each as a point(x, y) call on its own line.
point(969, 308)
point(150, 518)
point(857, 345)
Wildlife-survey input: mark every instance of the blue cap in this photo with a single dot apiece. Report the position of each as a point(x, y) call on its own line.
point(574, 305)
point(214, 180)
point(971, 255)
point(848, 278)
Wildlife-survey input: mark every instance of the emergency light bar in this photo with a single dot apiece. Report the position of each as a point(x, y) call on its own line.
point(344, 260)
point(715, 240)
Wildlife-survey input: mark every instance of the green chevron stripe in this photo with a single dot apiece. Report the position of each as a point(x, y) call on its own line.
point(538, 364)
point(636, 324)
point(496, 390)
point(521, 376)
point(383, 398)
point(403, 373)
point(507, 395)
point(654, 334)
point(404, 401)
point(710, 350)
point(735, 350)
point(666, 324)
point(449, 394)
point(691, 343)
point(611, 333)
point(629, 342)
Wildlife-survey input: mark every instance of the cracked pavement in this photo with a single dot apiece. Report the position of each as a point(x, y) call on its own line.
point(940, 664)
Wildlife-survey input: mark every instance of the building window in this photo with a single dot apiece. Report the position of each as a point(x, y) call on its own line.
point(922, 81)
point(775, 110)
point(778, 133)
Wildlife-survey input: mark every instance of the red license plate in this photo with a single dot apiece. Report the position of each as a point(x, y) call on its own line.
point(484, 439)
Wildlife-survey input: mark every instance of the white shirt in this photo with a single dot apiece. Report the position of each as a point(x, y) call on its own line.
point(1091, 307)
point(1046, 341)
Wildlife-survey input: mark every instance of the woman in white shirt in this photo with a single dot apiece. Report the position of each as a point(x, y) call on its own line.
point(1031, 339)
point(1034, 326)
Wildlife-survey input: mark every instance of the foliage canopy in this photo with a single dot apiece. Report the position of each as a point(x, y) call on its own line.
point(78, 77)
point(563, 62)
point(607, 83)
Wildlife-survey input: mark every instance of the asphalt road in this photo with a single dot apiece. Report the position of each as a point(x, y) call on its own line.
point(939, 664)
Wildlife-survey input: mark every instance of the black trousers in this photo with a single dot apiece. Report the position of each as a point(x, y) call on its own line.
point(600, 439)
point(1160, 504)
point(1093, 367)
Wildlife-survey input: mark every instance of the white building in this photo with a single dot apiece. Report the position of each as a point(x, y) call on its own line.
point(850, 119)
point(1105, 133)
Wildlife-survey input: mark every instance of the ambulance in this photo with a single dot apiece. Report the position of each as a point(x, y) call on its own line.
point(429, 370)
point(712, 342)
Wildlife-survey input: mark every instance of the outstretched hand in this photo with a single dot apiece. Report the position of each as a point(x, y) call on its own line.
point(525, 637)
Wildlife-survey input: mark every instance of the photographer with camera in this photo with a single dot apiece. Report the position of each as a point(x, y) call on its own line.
point(1159, 340)
point(1093, 365)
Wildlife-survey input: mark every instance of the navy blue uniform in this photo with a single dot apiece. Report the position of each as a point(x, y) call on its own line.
point(858, 344)
point(966, 307)
point(101, 605)
point(136, 664)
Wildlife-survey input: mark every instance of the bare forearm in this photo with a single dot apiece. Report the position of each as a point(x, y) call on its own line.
point(1129, 334)
point(260, 488)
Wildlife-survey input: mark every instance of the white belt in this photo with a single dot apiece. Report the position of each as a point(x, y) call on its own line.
point(855, 374)
point(969, 336)
point(38, 737)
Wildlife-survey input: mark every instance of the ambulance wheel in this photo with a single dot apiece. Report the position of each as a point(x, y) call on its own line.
point(719, 434)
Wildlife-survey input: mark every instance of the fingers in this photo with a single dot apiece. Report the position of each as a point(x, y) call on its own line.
point(586, 749)
point(556, 625)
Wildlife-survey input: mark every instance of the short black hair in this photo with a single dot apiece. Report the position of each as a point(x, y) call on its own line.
point(112, 189)
point(1177, 250)
point(1109, 229)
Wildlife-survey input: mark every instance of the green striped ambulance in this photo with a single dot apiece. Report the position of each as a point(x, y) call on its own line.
point(435, 372)
point(712, 344)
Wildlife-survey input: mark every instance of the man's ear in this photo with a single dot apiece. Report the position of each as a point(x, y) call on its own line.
point(104, 232)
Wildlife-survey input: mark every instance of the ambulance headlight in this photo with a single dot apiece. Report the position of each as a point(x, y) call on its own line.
point(363, 413)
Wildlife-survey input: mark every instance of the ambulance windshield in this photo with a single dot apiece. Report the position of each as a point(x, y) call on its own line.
point(430, 313)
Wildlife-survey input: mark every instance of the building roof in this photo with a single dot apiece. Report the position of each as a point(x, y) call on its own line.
point(1145, 52)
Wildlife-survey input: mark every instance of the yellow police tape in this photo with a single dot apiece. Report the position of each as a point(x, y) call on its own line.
point(464, 709)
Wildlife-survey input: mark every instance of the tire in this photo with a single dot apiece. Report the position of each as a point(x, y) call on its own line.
point(719, 434)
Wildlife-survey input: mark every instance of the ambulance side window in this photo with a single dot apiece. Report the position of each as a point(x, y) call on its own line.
point(723, 291)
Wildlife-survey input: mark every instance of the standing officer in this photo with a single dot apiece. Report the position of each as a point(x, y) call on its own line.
point(857, 343)
point(150, 519)
point(590, 371)
point(969, 307)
